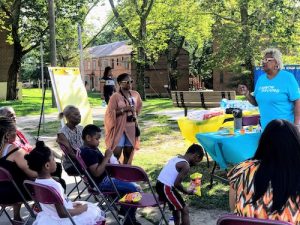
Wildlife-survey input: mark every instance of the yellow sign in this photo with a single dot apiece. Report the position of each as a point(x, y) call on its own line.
point(69, 90)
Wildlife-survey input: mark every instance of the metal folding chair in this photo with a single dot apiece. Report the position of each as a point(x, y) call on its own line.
point(93, 189)
point(76, 174)
point(48, 195)
point(130, 173)
point(231, 219)
point(6, 179)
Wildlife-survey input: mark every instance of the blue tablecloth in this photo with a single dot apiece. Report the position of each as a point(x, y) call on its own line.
point(226, 149)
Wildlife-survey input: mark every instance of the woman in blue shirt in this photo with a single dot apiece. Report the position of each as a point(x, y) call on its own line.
point(276, 92)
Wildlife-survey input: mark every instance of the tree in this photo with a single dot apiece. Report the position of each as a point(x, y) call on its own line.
point(142, 9)
point(27, 24)
point(243, 28)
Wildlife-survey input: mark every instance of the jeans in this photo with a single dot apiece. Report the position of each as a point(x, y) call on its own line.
point(123, 188)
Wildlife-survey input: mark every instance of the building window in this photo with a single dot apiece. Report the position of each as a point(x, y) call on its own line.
point(105, 63)
point(147, 82)
point(112, 63)
point(117, 61)
point(88, 65)
point(94, 64)
point(126, 63)
point(221, 77)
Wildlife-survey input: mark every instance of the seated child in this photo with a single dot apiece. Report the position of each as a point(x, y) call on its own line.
point(169, 182)
point(41, 160)
point(96, 162)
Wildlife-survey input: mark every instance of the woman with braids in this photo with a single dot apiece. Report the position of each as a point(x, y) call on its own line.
point(12, 159)
point(41, 160)
point(121, 119)
point(268, 185)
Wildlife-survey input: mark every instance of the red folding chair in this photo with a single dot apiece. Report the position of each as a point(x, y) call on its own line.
point(77, 173)
point(250, 120)
point(6, 179)
point(231, 219)
point(102, 197)
point(130, 173)
point(48, 195)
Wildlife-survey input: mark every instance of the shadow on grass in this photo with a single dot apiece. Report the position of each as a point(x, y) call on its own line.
point(214, 198)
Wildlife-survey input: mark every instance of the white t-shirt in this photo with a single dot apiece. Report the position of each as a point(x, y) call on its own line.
point(169, 173)
point(50, 208)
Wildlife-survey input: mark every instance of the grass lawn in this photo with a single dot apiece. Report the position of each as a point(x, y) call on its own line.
point(32, 102)
point(160, 140)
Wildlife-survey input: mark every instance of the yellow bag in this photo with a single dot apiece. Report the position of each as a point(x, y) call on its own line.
point(196, 183)
point(133, 197)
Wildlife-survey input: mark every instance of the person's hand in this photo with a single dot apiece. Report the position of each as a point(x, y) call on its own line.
point(108, 153)
point(81, 208)
point(243, 90)
point(191, 192)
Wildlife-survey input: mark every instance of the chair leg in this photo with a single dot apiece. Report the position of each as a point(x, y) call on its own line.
point(212, 175)
point(160, 222)
point(75, 187)
point(8, 216)
point(207, 160)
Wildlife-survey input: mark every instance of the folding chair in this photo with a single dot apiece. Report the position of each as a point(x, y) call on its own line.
point(6, 177)
point(250, 120)
point(231, 219)
point(77, 173)
point(130, 173)
point(93, 189)
point(48, 195)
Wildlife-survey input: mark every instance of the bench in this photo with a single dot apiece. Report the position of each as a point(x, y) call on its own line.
point(204, 99)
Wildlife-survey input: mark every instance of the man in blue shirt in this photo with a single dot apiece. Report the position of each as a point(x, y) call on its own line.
point(276, 92)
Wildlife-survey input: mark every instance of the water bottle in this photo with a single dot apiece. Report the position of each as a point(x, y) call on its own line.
point(171, 221)
point(103, 103)
point(223, 103)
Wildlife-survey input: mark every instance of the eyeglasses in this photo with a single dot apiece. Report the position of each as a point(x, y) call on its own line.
point(266, 60)
point(127, 81)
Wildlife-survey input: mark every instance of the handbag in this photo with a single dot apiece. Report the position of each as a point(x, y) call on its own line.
point(137, 130)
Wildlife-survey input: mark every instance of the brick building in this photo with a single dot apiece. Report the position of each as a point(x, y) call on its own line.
point(118, 55)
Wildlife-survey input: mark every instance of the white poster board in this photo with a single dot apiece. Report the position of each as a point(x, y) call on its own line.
point(69, 89)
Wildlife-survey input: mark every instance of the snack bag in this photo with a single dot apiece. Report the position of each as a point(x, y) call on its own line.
point(133, 197)
point(196, 183)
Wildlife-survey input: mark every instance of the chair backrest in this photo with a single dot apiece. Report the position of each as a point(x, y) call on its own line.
point(250, 120)
point(230, 219)
point(42, 193)
point(126, 172)
point(80, 161)
point(5, 175)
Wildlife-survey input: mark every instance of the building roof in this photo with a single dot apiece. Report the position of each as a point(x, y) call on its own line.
point(111, 49)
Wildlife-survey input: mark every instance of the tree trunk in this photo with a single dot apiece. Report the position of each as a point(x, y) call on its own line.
point(248, 56)
point(14, 68)
point(13, 73)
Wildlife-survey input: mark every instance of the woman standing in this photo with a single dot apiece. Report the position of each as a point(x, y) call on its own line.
point(121, 119)
point(276, 92)
point(109, 85)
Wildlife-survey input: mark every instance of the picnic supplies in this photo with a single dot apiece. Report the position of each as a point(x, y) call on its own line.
point(133, 197)
point(196, 183)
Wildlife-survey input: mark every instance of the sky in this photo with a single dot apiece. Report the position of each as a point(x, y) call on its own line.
point(97, 17)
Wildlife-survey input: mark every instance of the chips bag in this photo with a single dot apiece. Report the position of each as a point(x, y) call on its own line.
point(195, 183)
point(133, 197)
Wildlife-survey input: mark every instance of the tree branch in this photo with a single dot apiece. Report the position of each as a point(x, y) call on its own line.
point(90, 9)
point(149, 9)
point(37, 42)
point(5, 10)
point(137, 8)
point(121, 23)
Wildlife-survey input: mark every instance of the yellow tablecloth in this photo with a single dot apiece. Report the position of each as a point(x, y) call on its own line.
point(189, 128)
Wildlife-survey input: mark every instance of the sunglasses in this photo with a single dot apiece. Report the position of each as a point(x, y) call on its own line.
point(127, 82)
point(266, 60)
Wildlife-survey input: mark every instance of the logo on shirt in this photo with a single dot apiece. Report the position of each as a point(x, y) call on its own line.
point(269, 89)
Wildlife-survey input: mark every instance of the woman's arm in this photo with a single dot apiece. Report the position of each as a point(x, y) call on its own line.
point(297, 112)
point(18, 158)
point(232, 199)
point(62, 140)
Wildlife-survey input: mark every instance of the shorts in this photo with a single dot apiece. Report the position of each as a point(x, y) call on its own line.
point(124, 141)
point(170, 195)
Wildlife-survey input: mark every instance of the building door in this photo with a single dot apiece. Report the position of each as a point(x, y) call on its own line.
point(92, 86)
